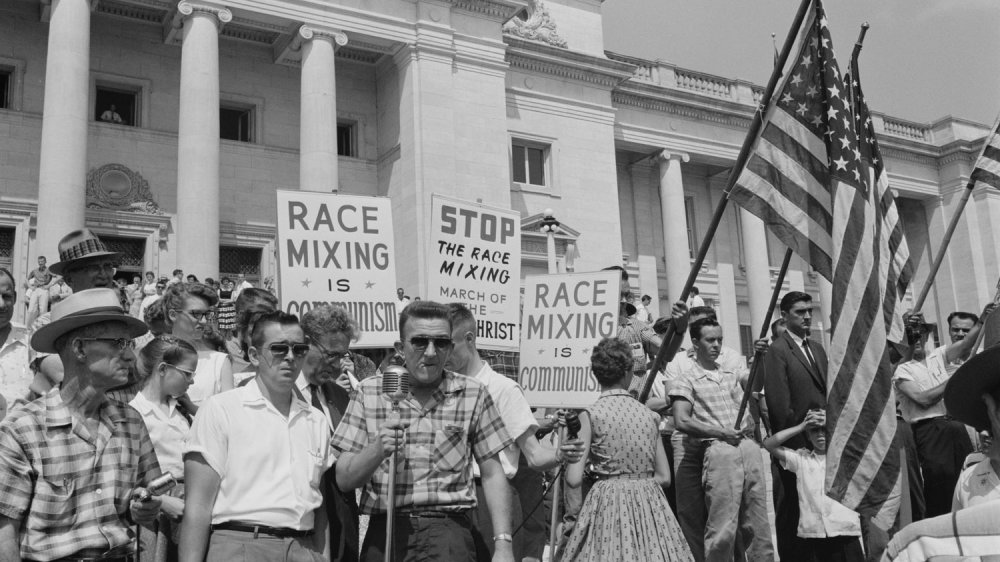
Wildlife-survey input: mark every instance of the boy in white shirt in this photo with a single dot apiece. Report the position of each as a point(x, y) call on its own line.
point(831, 531)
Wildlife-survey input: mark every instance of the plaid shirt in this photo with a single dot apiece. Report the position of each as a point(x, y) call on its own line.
point(715, 396)
point(67, 489)
point(503, 362)
point(434, 465)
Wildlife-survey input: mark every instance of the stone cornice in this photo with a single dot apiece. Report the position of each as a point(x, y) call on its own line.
point(532, 56)
point(289, 51)
point(498, 10)
point(727, 118)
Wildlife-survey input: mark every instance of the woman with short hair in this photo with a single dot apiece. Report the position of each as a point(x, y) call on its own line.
point(625, 515)
point(190, 315)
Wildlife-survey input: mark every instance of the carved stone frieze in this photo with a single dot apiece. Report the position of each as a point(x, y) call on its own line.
point(116, 187)
point(537, 26)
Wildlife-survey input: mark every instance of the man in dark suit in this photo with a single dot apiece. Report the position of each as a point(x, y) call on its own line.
point(794, 383)
point(324, 383)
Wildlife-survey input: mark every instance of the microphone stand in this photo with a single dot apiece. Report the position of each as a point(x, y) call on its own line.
point(390, 521)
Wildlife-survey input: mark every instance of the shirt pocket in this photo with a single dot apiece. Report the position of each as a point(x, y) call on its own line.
point(450, 448)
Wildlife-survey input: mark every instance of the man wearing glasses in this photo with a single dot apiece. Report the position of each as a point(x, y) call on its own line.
point(71, 460)
point(444, 423)
point(254, 461)
point(325, 383)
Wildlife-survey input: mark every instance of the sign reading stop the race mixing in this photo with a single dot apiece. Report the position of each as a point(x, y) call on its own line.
point(475, 259)
point(338, 249)
point(564, 317)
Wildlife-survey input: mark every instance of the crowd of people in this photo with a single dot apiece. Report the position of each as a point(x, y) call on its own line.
point(177, 419)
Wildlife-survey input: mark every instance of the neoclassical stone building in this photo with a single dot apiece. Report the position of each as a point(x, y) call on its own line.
point(167, 126)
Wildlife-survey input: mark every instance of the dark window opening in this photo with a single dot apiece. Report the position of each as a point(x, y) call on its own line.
point(236, 124)
point(529, 164)
point(345, 140)
point(6, 82)
point(116, 105)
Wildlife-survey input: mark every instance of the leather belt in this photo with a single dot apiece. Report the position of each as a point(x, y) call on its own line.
point(432, 514)
point(115, 558)
point(280, 532)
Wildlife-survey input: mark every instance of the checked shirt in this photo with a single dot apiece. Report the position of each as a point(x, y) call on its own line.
point(68, 489)
point(434, 466)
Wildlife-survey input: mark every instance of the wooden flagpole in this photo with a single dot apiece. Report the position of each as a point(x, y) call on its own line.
point(939, 257)
point(982, 328)
point(664, 355)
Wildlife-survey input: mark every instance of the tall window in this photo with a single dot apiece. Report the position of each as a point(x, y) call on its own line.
point(746, 340)
point(689, 215)
point(236, 123)
point(6, 83)
point(529, 162)
point(345, 140)
point(118, 104)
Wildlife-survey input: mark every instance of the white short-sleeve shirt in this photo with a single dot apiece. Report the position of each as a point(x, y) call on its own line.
point(270, 466)
point(15, 358)
point(977, 484)
point(514, 411)
point(167, 431)
point(819, 515)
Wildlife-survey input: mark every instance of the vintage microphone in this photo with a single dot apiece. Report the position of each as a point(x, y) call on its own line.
point(395, 384)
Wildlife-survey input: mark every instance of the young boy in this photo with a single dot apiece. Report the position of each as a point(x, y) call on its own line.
point(831, 531)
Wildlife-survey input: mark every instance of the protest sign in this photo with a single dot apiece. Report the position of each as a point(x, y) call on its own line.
point(475, 259)
point(564, 317)
point(338, 249)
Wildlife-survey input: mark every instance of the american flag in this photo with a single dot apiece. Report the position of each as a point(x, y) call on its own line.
point(987, 169)
point(807, 179)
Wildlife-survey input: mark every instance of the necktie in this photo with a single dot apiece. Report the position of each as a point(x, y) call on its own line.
point(809, 355)
point(314, 390)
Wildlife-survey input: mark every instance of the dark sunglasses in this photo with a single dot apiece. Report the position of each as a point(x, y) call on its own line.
point(421, 342)
point(281, 349)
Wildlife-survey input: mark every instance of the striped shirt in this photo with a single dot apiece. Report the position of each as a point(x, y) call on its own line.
point(435, 464)
point(69, 490)
point(714, 395)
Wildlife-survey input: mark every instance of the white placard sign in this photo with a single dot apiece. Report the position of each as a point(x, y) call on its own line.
point(338, 249)
point(564, 317)
point(475, 259)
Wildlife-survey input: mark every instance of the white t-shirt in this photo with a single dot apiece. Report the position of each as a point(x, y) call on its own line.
point(270, 466)
point(514, 411)
point(167, 431)
point(977, 484)
point(819, 515)
point(925, 377)
point(15, 358)
point(207, 376)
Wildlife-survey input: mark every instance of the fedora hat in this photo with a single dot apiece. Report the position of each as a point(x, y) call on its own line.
point(77, 246)
point(963, 395)
point(83, 309)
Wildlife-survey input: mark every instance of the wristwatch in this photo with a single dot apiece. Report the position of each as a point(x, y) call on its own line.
point(503, 537)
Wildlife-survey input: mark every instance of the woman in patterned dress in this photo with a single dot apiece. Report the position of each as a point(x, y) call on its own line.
point(625, 515)
point(227, 308)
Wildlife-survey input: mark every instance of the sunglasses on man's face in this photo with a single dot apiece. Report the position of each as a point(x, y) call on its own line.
point(420, 343)
point(281, 349)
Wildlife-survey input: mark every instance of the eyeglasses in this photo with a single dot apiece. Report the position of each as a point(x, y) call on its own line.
point(330, 355)
point(121, 343)
point(95, 268)
point(189, 373)
point(420, 343)
point(281, 349)
point(199, 315)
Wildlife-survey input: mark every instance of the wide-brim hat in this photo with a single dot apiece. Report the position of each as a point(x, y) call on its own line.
point(80, 309)
point(630, 309)
point(78, 246)
point(963, 395)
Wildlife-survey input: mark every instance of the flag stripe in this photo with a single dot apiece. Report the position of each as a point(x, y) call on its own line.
point(798, 189)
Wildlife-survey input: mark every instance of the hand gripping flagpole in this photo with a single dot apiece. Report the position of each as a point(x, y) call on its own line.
point(667, 348)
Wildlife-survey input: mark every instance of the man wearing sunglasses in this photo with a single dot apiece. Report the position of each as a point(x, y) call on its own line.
point(254, 461)
point(71, 460)
point(444, 423)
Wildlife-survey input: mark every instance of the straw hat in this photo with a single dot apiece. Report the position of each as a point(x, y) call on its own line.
point(963, 396)
point(80, 309)
point(78, 246)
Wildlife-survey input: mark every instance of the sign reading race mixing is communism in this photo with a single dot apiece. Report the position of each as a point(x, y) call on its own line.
point(564, 317)
point(475, 259)
point(338, 249)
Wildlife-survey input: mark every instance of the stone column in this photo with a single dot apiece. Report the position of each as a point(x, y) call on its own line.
point(758, 269)
point(675, 239)
point(318, 112)
point(62, 173)
point(198, 140)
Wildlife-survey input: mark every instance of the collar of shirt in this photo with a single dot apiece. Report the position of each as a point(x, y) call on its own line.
point(252, 396)
point(146, 407)
point(714, 375)
point(798, 341)
point(450, 384)
point(615, 392)
point(18, 336)
point(57, 414)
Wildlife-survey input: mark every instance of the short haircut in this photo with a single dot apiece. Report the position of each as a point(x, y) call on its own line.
point(176, 271)
point(792, 297)
point(176, 295)
point(225, 280)
point(151, 274)
point(695, 291)
point(619, 268)
point(165, 349)
point(647, 298)
point(90, 330)
point(459, 314)
point(329, 319)
point(662, 324)
point(156, 317)
point(963, 316)
point(192, 278)
point(611, 360)
point(42, 258)
point(698, 325)
point(274, 317)
point(5, 271)
point(705, 311)
point(422, 310)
